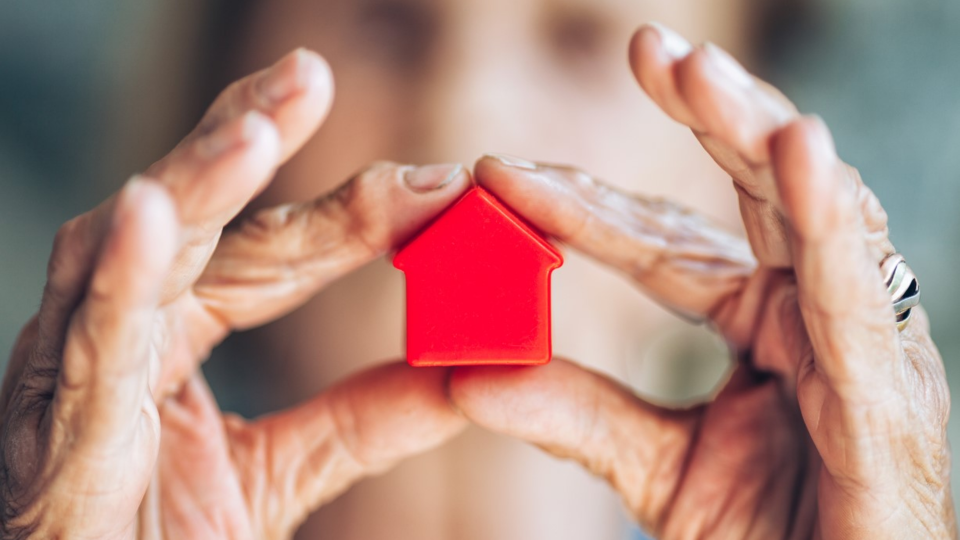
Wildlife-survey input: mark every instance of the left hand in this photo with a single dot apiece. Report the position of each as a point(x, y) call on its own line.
point(833, 424)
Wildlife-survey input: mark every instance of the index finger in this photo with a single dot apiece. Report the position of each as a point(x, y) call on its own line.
point(676, 255)
point(280, 257)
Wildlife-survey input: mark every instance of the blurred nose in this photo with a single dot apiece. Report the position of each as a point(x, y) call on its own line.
point(477, 97)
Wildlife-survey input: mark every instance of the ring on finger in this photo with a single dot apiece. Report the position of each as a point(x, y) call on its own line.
point(903, 287)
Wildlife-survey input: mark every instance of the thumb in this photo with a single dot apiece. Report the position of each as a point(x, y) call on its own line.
point(575, 413)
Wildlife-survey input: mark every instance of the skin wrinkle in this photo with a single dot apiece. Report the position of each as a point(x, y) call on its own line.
point(322, 457)
point(675, 468)
point(798, 492)
point(810, 358)
point(771, 483)
point(275, 468)
point(730, 501)
point(253, 488)
point(730, 162)
point(666, 515)
point(345, 433)
point(880, 439)
point(684, 246)
point(592, 429)
point(216, 518)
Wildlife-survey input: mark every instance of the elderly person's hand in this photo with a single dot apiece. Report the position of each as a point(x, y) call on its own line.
point(833, 424)
point(108, 428)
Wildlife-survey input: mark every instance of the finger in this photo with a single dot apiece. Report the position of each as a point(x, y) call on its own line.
point(734, 116)
point(296, 93)
point(74, 253)
point(360, 427)
point(247, 133)
point(639, 449)
point(872, 398)
point(282, 256)
point(103, 382)
point(715, 96)
point(846, 308)
point(676, 255)
point(215, 176)
point(654, 53)
point(199, 476)
point(250, 130)
point(255, 125)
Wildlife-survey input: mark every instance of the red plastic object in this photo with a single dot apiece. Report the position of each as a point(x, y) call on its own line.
point(478, 287)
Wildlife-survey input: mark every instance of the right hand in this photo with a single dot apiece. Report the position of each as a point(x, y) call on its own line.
point(141, 288)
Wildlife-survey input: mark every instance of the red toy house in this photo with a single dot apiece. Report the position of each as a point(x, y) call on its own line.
point(478, 287)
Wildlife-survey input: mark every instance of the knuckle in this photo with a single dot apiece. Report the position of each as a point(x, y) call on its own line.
point(346, 433)
point(272, 223)
point(227, 105)
point(379, 171)
point(362, 201)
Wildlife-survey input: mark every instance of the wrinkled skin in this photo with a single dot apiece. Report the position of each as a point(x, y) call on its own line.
point(832, 426)
point(142, 287)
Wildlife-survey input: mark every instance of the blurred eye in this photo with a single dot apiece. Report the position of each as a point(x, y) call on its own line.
point(396, 32)
point(578, 39)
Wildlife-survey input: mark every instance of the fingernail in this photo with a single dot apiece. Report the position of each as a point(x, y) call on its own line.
point(283, 80)
point(727, 66)
point(431, 177)
point(515, 162)
point(673, 43)
point(230, 136)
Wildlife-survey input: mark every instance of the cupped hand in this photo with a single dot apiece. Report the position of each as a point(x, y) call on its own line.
point(108, 427)
point(833, 424)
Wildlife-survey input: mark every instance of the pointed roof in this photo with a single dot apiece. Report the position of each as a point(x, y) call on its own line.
point(478, 216)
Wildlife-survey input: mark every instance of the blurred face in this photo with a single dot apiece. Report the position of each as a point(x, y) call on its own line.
point(446, 81)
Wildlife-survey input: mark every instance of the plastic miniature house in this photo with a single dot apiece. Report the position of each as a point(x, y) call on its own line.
point(478, 287)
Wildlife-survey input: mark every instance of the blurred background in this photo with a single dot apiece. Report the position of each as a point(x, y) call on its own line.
point(86, 100)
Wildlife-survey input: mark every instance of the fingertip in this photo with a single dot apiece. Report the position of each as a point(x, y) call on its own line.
point(635, 49)
point(695, 85)
point(808, 175)
point(298, 91)
point(654, 44)
point(503, 174)
point(669, 44)
point(716, 90)
point(535, 403)
point(301, 71)
point(140, 248)
point(148, 209)
point(554, 198)
point(493, 397)
point(315, 76)
point(643, 47)
point(655, 52)
point(470, 388)
point(263, 136)
point(391, 202)
point(239, 159)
